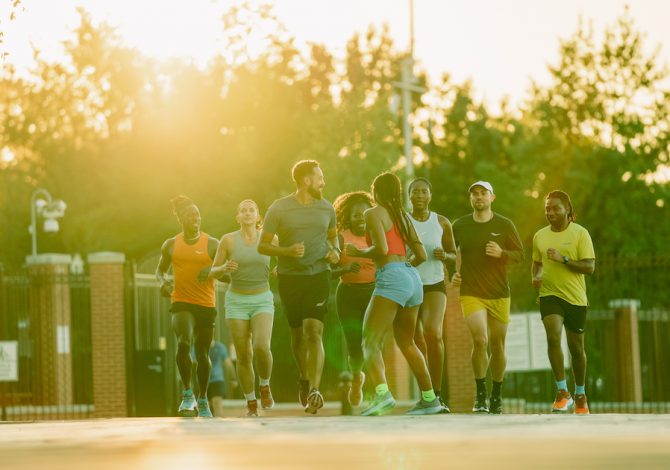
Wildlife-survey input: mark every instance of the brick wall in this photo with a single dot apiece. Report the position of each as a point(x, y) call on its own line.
point(108, 334)
point(458, 350)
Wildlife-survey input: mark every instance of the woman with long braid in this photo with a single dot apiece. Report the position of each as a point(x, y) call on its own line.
point(396, 298)
point(357, 281)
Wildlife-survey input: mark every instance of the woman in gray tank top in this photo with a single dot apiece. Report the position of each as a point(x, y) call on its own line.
point(249, 303)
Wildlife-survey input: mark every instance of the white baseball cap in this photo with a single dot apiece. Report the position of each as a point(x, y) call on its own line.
point(483, 184)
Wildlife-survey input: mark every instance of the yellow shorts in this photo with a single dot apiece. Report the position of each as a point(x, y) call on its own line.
point(497, 308)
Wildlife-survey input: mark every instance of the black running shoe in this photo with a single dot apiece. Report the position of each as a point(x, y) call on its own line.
point(495, 406)
point(481, 405)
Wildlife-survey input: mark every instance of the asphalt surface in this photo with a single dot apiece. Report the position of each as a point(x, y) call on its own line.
point(567, 442)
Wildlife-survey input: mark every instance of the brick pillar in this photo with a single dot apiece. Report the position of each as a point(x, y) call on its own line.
point(398, 373)
point(50, 317)
point(108, 334)
point(629, 375)
point(458, 350)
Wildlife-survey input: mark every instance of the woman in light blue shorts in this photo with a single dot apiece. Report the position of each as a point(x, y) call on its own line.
point(249, 303)
point(396, 298)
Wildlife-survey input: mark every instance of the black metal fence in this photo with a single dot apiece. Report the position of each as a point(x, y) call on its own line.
point(54, 349)
point(63, 360)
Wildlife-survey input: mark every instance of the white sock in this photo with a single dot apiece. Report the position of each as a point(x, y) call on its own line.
point(250, 396)
point(264, 382)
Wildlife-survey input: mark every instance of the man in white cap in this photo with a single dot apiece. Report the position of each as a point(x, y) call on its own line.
point(487, 243)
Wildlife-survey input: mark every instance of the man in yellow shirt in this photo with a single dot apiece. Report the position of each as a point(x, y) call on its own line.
point(562, 254)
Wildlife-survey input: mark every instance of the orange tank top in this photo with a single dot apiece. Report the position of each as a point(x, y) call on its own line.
point(394, 241)
point(367, 273)
point(187, 262)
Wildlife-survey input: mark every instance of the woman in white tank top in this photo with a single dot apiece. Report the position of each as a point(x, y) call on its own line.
point(435, 233)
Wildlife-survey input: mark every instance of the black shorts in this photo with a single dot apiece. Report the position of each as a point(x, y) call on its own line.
point(437, 287)
point(216, 389)
point(204, 316)
point(574, 316)
point(304, 297)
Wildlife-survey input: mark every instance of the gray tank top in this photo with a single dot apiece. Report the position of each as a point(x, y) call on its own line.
point(253, 268)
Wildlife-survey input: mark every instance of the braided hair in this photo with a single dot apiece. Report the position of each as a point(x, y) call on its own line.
point(180, 204)
point(565, 199)
point(345, 202)
point(387, 191)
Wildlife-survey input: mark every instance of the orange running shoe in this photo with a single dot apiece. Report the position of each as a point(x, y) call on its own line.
point(581, 406)
point(267, 402)
point(563, 402)
point(252, 408)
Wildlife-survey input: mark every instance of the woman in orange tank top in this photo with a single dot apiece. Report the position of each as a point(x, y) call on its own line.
point(190, 253)
point(357, 281)
point(397, 296)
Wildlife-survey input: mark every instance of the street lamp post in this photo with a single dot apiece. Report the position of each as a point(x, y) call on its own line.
point(49, 209)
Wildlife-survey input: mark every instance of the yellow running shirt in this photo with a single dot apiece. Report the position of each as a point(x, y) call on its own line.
point(557, 279)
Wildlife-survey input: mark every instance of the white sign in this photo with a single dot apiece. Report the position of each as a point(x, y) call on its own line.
point(9, 361)
point(526, 344)
point(63, 339)
point(516, 344)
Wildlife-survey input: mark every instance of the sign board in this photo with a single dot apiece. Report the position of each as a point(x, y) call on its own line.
point(9, 361)
point(526, 344)
point(63, 339)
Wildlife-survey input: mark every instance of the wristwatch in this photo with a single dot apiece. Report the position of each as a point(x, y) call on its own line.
point(565, 260)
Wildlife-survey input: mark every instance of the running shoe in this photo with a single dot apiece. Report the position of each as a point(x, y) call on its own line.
point(356, 390)
point(380, 405)
point(424, 407)
point(581, 406)
point(495, 406)
point(303, 391)
point(563, 402)
point(203, 408)
point(481, 405)
point(267, 402)
point(445, 408)
point(188, 407)
point(252, 408)
point(314, 402)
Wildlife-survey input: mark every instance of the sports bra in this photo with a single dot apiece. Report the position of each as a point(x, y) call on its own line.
point(394, 241)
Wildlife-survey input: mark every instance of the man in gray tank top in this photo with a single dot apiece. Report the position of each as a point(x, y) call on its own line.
point(305, 226)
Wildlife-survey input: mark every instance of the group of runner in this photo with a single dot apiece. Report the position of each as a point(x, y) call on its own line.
point(393, 267)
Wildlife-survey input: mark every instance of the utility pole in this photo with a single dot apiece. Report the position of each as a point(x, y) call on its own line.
point(407, 86)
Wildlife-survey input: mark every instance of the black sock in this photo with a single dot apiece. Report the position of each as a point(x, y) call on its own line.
point(481, 386)
point(497, 389)
point(438, 394)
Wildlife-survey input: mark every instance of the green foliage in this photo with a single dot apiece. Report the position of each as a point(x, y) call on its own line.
point(116, 135)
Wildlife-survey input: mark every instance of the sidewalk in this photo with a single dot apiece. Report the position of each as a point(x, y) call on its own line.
point(343, 443)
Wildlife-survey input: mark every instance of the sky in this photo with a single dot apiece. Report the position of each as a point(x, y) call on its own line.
point(499, 45)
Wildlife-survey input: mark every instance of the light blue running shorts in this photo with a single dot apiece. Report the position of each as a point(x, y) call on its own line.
point(399, 282)
point(245, 306)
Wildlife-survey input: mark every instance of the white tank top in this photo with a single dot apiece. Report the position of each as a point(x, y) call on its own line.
point(430, 234)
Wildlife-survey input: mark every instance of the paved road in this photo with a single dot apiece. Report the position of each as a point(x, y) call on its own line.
point(342, 443)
